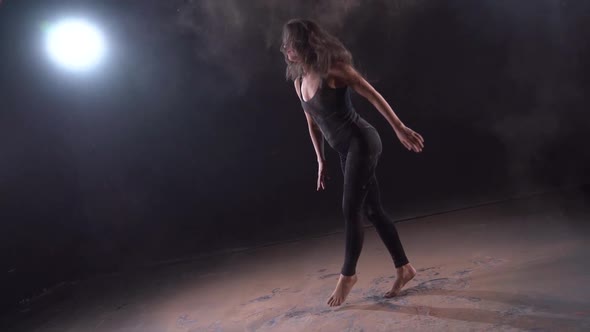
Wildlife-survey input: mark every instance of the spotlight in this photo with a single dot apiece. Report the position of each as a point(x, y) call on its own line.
point(75, 44)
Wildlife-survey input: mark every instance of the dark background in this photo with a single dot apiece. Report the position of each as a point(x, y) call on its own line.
point(188, 140)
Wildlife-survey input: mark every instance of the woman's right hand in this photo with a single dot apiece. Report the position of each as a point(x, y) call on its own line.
point(322, 177)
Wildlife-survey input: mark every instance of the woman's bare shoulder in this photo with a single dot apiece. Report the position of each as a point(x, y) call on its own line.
point(296, 85)
point(341, 67)
point(343, 72)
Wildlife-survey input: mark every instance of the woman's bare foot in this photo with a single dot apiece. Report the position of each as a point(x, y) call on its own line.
point(343, 287)
point(404, 274)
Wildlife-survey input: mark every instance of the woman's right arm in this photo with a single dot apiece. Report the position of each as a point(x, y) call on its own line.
point(317, 138)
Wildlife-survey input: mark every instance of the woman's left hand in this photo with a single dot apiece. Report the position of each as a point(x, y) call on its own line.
point(410, 139)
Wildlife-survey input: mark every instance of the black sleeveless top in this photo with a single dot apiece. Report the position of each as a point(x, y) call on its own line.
point(332, 110)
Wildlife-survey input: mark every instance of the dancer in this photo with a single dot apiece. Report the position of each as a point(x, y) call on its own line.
point(323, 73)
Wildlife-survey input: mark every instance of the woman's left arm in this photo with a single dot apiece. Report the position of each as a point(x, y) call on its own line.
point(353, 79)
point(346, 73)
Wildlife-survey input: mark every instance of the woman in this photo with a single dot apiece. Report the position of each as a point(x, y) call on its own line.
point(322, 71)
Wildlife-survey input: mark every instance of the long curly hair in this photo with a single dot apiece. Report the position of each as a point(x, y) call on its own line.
point(318, 48)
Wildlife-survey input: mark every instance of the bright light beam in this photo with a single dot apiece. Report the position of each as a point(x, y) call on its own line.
point(75, 44)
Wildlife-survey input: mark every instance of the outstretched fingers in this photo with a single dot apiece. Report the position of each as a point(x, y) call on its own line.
point(417, 141)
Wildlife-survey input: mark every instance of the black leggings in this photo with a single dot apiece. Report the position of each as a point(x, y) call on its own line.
point(361, 196)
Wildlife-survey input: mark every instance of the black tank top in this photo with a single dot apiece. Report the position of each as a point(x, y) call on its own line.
point(332, 110)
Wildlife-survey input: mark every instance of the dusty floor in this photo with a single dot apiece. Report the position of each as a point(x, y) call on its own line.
point(519, 265)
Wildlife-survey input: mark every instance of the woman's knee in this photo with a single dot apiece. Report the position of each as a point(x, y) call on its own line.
point(351, 211)
point(374, 214)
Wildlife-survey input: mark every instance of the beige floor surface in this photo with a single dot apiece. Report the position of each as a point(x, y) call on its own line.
point(520, 265)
